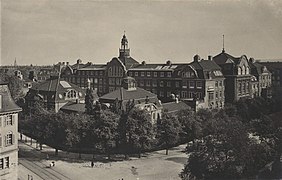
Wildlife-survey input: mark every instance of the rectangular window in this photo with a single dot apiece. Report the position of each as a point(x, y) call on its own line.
point(141, 83)
point(216, 95)
point(183, 94)
point(7, 162)
point(148, 83)
point(211, 96)
point(136, 74)
point(162, 74)
point(155, 84)
point(199, 84)
point(101, 73)
point(177, 84)
point(216, 83)
point(161, 84)
point(148, 74)
point(100, 89)
point(9, 120)
point(142, 74)
point(220, 83)
point(168, 84)
point(100, 81)
point(191, 84)
point(161, 94)
point(155, 74)
point(130, 74)
point(168, 74)
point(9, 140)
point(184, 84)
point(191, 95)
point(95, 80)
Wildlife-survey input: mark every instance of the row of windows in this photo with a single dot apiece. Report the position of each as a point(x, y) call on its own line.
point(217, 104)
point(217, 95)
point(115, 71)
point(7, 140)
point(149, 74)
point(199, 84)
point(92, 73)
point(4, 162)
point(218, 83)
point(243, 70)
point(7, 120)
point(243, 88)
point(190, 95)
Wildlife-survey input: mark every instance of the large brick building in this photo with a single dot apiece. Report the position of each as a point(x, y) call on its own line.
point(8, 135)
point(200, 80)
point(236, 71)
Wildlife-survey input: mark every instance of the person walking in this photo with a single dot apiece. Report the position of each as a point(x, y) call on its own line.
point(92, 164)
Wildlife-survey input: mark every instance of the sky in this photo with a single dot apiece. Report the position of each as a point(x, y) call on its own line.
point(44, 32)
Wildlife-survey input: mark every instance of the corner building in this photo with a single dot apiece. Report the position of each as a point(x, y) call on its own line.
point(236, 71)
point(8, 135)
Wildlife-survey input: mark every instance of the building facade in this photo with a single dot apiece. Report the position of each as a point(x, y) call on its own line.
point(236, 71)
point(201, 80)
point(8, 135)
point(263, 76)
point(55, 93)
point(275, 69)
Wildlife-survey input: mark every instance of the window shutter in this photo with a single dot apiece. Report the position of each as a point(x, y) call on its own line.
point(0, 141)
point(4, 121)
point(13, 119)
point(1, 117)
point(13, 139)
point(5, 140)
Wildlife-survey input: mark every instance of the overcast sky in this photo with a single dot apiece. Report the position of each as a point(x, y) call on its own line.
point(48, 31)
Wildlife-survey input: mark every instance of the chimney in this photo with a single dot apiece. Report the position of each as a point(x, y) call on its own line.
point(168, 63)
point(68, 63)
point(197, 58)
point(143, 63)
point(63, 63)
point(252, 60)
point(210, 57)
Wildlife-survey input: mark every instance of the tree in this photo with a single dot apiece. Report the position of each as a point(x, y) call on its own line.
point(89, 101)
point(106, 131)
point(135, 131)
point(15, 85)
point(190, 124)
point(168, 130)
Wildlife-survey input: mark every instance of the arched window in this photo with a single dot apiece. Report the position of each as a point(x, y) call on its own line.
point(110, 73)
point(247, 70)
point(72, 94)
point(243, 69)
point(239, 71)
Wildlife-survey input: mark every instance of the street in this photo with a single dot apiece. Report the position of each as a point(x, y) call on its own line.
point(154, 165)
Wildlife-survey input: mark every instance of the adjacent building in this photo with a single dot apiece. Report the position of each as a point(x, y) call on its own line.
point(8, 135)
point(263, 76)
point(236, 71)
point(55, 93)
point(129, 93)
point(275, 68)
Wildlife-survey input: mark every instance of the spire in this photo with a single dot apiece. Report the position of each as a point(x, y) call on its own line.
point(15, 62)
point(223, 51)
point(124, 51)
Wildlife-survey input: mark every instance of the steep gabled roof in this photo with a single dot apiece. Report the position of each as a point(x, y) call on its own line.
point(223, 58)
point(8, 104)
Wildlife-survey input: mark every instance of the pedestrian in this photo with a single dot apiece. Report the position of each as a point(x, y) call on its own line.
point(47, 156)
point(92, 164)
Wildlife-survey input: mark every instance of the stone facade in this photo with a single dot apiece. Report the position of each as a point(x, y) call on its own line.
point(8, 135)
